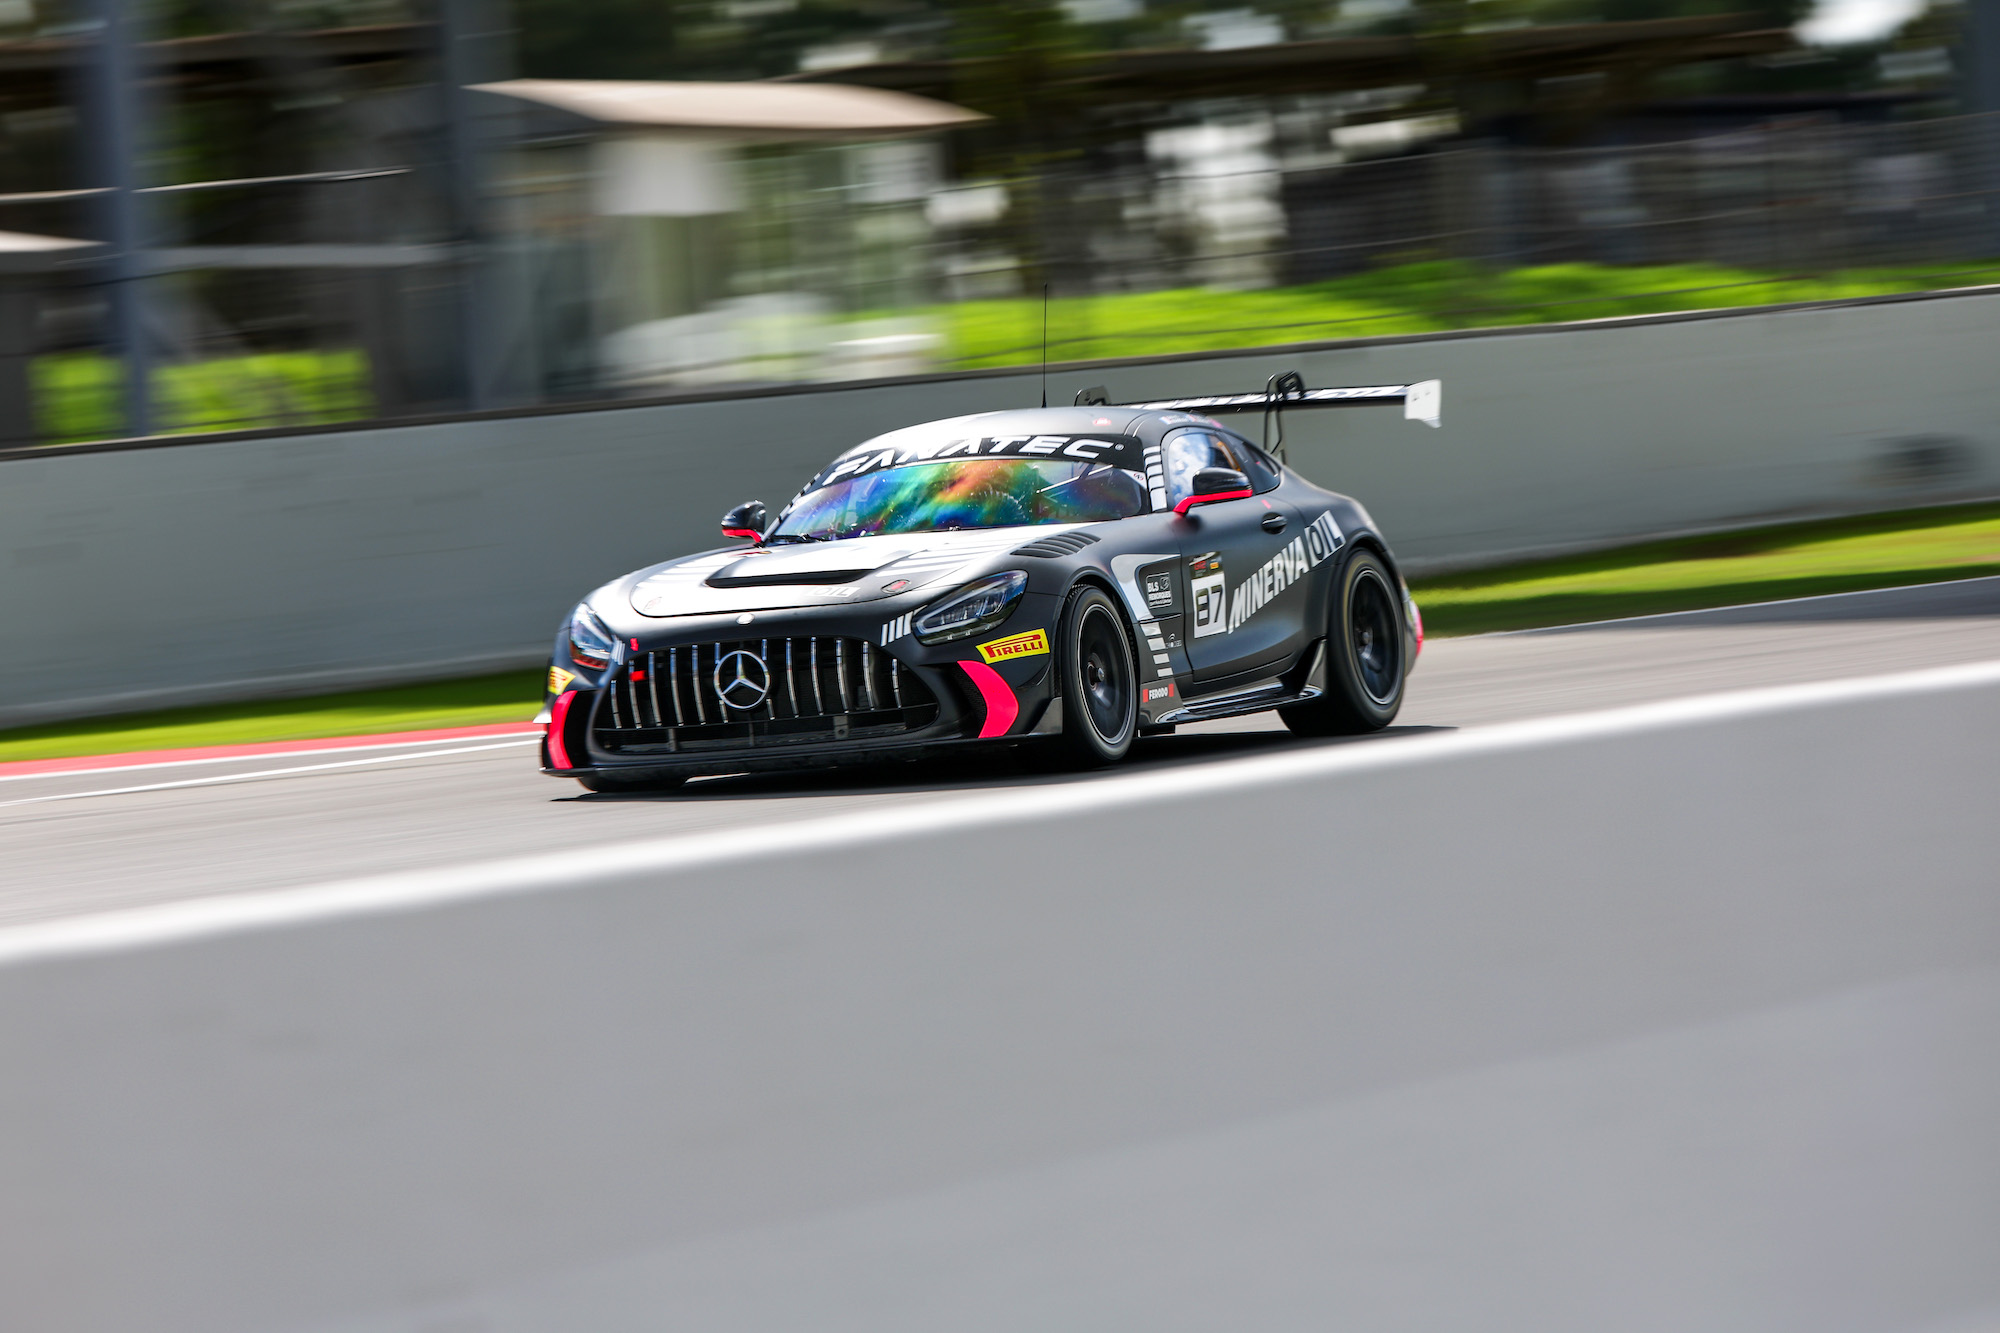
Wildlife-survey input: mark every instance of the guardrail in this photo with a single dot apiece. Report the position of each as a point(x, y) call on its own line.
point(151, 576)
point(1682, 1017)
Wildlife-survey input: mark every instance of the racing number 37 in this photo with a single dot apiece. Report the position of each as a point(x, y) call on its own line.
point(1208, 590)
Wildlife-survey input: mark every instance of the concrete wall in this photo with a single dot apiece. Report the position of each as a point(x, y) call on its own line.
point(150, 576)
point(1683, 1018)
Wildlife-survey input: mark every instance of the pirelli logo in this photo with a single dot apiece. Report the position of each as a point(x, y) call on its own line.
point(1031, 644)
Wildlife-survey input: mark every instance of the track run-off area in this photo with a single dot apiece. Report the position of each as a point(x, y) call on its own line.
point(1646, 977)
point(105, 839)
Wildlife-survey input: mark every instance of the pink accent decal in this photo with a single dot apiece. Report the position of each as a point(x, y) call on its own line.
point(1418, 617)
point(751, 533)
point(1194, 500)
point(1001, 705)
point(558, 711)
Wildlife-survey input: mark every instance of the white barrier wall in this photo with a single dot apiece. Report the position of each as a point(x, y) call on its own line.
point(1683, 1018)
point(154, 576)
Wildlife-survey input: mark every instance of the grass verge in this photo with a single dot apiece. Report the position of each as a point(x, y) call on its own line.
point(1729, 569)
point(1764, 564)
point(511, 696)
point(1423, 297)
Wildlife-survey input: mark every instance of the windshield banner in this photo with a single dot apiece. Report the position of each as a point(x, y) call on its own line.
point(1116, 450)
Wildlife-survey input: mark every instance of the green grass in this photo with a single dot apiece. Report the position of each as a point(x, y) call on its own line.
point(1790, 560)
point(77, 394)
point(1421, 297)
point(511, 696)
point(1764, 564)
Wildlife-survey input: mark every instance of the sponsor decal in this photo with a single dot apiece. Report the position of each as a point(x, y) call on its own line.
point(845, 591)
point(1207, 586)
point(1317, 543)
point(1160, 591)
point(1032, 644)
point(1154, 692)
point(559, 679)
point(1323, 537)
point(1086, 448)
point(897, 628)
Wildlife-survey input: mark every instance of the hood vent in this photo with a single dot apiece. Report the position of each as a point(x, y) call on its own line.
point(1063, 543)
point(780, 577)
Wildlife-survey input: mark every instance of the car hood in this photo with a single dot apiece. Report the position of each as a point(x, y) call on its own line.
point(838, 573)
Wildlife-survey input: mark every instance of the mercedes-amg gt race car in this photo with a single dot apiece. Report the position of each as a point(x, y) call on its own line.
point(1071, 577)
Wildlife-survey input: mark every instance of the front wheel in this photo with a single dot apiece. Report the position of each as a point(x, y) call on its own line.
point(1100, 683)
point(1364, 647)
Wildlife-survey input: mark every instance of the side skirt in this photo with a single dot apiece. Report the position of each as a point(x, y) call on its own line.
point(1294, 687)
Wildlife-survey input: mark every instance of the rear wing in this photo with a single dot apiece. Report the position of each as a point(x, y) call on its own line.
point(1422, 401)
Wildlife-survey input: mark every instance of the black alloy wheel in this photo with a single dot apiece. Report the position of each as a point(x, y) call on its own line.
point(1364, 647)
point(1100, 683)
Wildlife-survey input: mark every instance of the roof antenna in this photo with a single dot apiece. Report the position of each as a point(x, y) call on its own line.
point(1045, 344)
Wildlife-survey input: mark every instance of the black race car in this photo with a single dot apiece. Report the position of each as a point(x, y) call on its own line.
point(1082, 574)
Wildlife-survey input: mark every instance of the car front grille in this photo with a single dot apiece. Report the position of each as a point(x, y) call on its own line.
point(758, 693)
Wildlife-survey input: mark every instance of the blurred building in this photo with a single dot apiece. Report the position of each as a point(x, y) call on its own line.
point(657, 235)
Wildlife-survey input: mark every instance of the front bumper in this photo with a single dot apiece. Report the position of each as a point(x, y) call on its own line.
point(808, 691)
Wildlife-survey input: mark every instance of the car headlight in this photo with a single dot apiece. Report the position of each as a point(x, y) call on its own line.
point(590, 642)
point(973, 609)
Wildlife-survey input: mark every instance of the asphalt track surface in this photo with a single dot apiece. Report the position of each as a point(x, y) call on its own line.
point(98, 841)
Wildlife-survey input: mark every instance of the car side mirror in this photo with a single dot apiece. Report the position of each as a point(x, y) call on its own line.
point(1215, 483)
point(748, 519)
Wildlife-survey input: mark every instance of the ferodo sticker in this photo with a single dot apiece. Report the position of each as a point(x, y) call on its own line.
point(1207, 587)
point(1032, 644)
point(1157, 692)
point(559, 679)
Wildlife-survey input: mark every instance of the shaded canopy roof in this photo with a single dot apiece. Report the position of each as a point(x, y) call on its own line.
point(768, 111)
point(1342, 63)
point(25, 252)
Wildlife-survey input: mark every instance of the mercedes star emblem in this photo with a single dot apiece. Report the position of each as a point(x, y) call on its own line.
point(741, 679)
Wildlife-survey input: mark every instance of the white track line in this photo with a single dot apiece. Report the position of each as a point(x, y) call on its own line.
point(249, 758)
point(263, 773)
point(1734, 606)
point(198, 918)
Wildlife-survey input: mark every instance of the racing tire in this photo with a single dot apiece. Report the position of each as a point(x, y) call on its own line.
point(617, 784)
point(1364, 647)
point(1099, 681)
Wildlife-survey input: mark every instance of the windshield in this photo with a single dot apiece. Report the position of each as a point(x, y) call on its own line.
point(964, 493)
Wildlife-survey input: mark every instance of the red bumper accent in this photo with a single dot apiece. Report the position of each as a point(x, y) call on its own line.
point(558, 714)
point(1001, 705)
